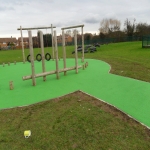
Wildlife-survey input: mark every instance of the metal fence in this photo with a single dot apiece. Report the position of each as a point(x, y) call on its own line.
point(146, 42)
point(107, 40)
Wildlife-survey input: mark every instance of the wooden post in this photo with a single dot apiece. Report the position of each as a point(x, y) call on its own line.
point(11, 85)
point(70, 27)
point(56, 55)
point(14, 62)
point(82, 44)
point(64, 50)
point(36, 28)
point(76, 53)
point(42, 53)
point(87, 64)
point(32, 58)
point(23, 55)
point(8, 63)
point(83, 67)
point(52, 42)
point(49, 73)
point(3, 64)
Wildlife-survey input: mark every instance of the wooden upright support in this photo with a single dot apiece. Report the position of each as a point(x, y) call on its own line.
point(56, 55)
point(82, 44)
point(42, 53)
point(76, 53)
point(52, 41)
point(64, 50)
point(32, 58)
point(11, 86)
point(22, 44)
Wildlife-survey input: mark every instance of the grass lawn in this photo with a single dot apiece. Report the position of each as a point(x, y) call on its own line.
point(75, 121)
point(78, 121)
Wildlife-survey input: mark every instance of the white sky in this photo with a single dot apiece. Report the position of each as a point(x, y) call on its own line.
point(61, 13)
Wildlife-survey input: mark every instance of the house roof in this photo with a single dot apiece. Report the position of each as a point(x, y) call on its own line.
point(60, 37)
point(6, 40)
point(25, 39)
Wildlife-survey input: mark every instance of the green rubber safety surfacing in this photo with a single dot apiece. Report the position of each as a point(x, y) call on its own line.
point(129, 95)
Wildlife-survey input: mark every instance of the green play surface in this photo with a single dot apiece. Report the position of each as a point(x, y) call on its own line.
point(129, 95)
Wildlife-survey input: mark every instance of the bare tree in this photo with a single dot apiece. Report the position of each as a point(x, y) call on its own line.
point(129, 27)
point(109, 25)
point(142, 29)
point(68, 32)
point(73, 31)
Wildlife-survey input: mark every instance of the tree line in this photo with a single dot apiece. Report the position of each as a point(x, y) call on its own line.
point(111, 28)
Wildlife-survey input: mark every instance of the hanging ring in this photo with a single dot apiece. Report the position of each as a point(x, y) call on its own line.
point(38, 57)
point(28, 58)
point(47, 56)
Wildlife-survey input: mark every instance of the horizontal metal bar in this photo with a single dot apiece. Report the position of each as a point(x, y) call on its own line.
point(36, 28)
point(77, 26)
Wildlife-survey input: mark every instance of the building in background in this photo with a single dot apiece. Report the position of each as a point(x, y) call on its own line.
point(8, 43)
point(25, 42)
point(68, 39)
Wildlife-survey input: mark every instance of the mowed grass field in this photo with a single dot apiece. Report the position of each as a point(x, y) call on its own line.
point(126, 59)
point(78, 121)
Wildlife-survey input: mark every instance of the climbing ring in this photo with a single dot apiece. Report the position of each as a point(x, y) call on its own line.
point(38, 57)
point(47, 56)
point(28, 58)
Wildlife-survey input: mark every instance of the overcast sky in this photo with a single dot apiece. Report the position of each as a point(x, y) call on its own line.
point(61, 13)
